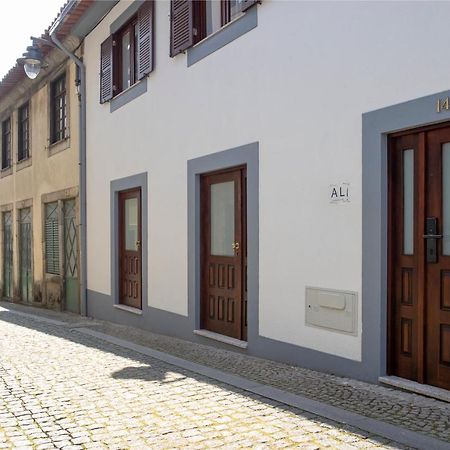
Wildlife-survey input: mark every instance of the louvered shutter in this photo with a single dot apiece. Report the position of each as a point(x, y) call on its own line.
point(181, 26)
point(246, 4)
point(106, 70)
point(51, 239)
point(145, 39)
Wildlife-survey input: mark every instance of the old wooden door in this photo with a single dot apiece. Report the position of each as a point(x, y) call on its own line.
point(419, 250)
point(130, 254)
point(224, 253)
point(26, 254)
point(71, 285)
point(7, 255)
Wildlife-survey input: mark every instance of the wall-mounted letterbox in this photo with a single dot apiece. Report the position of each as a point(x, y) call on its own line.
point(332, 309)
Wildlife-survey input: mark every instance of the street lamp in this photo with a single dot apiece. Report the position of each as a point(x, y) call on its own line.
point(32, 59)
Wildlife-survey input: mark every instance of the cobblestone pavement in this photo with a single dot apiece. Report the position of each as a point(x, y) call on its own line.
point(63, 389)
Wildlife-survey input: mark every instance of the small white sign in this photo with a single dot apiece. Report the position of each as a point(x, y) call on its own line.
point(339, 193)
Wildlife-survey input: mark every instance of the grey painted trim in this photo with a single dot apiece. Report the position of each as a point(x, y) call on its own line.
point(376, 125)
point(127, 96)
point(248, 155)
point(383, 429)
point(123, 184)
point(224, 36)
point(125, 16)
point(92, 17)
point(101, 306)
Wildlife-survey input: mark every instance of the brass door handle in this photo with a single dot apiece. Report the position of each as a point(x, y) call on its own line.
point(235, 245)
point(138, 243)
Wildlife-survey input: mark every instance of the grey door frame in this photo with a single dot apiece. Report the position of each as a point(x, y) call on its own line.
point(376, 126)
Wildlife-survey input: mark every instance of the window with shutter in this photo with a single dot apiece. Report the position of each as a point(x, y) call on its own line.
point(52, 239)
point(106, 70)
point(58, 112)
point(127, 56)
point(6, 143)
point(193, 20)
point(181, 25)
point(145, 40)
point(23, 131)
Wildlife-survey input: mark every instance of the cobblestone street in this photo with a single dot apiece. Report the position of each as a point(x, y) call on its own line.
point(62, 389)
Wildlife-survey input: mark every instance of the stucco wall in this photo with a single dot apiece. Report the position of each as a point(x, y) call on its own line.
point(298, 84)
point(50, 169)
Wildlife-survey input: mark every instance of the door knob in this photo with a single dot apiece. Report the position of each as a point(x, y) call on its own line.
point(235, 245)
point(138, 243)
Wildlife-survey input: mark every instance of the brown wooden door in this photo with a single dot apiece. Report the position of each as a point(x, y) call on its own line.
point(224, 253)
point(130, 237)
point(419, 256)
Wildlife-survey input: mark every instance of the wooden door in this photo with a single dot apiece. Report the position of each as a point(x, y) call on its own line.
point(224, 253)
point(71, 285)
point(130, 254)
point(419, 258)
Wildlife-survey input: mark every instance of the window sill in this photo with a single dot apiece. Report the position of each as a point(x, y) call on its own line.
point(22, 164)
point(59, 146)
point(129, 309)
point(6, 172)
point(221, 338)
point(228, 33)
point(52, 277)
point(128, 95)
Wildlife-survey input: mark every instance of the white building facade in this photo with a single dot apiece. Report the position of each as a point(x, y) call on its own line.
point(246, 181)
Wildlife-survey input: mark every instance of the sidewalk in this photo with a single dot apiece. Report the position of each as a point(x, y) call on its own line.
point(413, 412)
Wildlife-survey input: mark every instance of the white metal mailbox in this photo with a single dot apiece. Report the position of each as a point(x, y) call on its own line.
point(331, 309)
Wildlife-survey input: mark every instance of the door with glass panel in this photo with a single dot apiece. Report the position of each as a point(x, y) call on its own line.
point(71, 286)
point(130, 255)
point(224, 253)
point(7, 255)
point(25, 255)
point(419, 256)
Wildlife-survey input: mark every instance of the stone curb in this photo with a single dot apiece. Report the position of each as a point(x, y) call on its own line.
point(392, 432)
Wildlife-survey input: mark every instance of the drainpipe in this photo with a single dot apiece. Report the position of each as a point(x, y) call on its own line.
point(81, 163)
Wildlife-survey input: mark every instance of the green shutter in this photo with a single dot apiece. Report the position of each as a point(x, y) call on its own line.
point(51, 238)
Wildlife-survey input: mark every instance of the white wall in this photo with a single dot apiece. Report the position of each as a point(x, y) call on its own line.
point(298, 84)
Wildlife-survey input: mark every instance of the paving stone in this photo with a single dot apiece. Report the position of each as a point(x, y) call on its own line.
point(63, 389)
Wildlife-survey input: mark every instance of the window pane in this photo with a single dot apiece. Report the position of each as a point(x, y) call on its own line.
point(222, 218)
point(235, 8)
point(126, 72)
point(131, 224)
point(446, 198)
point(408, 202)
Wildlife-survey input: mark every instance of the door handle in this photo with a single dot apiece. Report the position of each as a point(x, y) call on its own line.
point(431, 227)
point(235, 246)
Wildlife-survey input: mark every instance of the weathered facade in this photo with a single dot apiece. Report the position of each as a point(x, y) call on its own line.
point(39, 186)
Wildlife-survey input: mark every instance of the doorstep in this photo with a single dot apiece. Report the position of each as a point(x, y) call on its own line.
point(221, 338)
point(418, 388)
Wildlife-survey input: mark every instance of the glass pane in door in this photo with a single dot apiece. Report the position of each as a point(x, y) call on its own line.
point(408, 202)
point(222, 219)
point(446, 198)
point(131, 224)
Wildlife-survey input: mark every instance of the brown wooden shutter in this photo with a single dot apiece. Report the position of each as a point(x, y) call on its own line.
point(106, 70)
point(145, 39)
point(246, 4)
point(181, 26)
